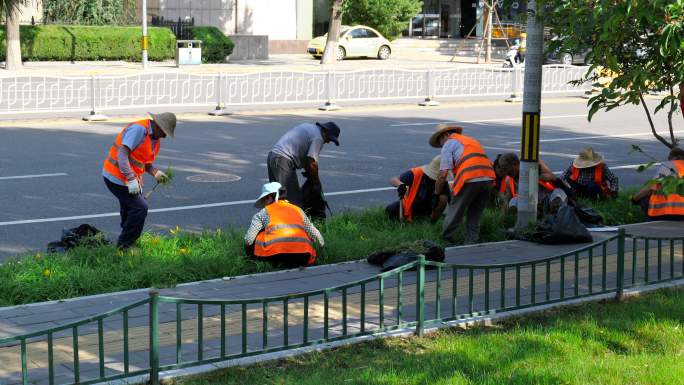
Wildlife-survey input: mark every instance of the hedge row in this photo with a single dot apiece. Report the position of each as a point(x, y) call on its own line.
point(215, 45)
point(83, 43)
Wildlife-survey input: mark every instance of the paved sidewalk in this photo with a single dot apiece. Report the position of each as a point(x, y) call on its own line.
point(34, 317)
point(284, 62)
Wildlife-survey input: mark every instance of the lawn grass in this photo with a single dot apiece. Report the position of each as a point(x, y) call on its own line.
point(636, 342)
point(164, 261)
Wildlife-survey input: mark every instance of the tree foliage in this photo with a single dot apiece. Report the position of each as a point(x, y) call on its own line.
point(89, 12)
point(389, 17)
point(638, 44)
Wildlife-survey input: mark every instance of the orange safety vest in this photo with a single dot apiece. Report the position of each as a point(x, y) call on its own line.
point(598, 177)
point(547, 185)
point(672, 204)
point(508, 184)
point(473, 164)
point(139, 157)
point(284, 233)
point(410, 196)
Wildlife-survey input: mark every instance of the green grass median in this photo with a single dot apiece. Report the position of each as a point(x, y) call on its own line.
point(167, 260)
point(636, 342)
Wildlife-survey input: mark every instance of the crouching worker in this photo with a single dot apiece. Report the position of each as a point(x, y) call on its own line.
point(415, 188)
point(280, 232)
point(653, 200)
point(589, 177)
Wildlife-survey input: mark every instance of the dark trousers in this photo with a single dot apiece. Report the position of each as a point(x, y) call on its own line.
point(589, 191)
point(283, 171)
point(133, 209)
point(287, 260)
point(470, 203)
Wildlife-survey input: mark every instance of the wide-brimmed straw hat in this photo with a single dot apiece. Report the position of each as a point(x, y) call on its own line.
point(441, 129)
point(166, 121)
point(432, 169)
point(587, 158)
point(266, 190)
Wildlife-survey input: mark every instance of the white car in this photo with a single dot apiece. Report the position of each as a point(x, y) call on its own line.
point(356, 41)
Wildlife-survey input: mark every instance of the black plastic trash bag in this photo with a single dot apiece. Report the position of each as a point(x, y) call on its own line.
point(389, 260)
point(588, 216)
point(314, 204)
point(83, 235)
point(561, 227)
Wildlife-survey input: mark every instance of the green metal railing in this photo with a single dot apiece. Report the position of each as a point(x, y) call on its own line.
point(207, 331)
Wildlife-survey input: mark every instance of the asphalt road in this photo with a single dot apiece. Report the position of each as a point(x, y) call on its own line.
point(50, 171)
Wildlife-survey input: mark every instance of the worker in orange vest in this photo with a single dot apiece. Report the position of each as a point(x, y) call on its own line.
point(132, 154)
point(281, 233)
point(507, 169)
point(653, 200)
point(415, 188)
point(473, 180)
point(589, 177)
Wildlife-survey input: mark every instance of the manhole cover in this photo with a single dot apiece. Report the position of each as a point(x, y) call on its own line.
point(213, 178)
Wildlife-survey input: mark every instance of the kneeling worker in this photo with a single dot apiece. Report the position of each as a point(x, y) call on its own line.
point(473, 180)
point(132, 154)
point(653, 201)
point(280, 232)
point(415, 188)
point(589, 177)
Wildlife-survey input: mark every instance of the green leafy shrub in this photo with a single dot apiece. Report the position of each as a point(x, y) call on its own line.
point(215, 45)
point(389, 17)
point(78, 43)
point(89, 12)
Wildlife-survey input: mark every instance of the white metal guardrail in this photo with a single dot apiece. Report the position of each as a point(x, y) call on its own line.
point(32, 94)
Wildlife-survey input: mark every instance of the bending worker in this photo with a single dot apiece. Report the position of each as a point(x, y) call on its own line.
point(415, 188)
point(298, 149)
point(280, 232)
point(652, 199)
point(132, 154)
point(507, 169)
point(473, 180)
point(589, 177)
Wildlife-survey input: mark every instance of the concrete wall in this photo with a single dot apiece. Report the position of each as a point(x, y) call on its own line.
point(32, 8)
point(249, 47)
point(278, 19)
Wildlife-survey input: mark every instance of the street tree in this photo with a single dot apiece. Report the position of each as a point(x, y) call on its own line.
point(389, 17)
point(12, 12)
point(332, 43)
point(636, 50)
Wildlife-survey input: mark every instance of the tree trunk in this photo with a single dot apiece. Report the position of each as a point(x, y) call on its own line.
point(330, 53)
point(13, 56)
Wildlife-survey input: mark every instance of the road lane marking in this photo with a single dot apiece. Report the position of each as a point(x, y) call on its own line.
point(546, 153)
point(177, 208)
point(33, 176)
point(518, 118)
point(601, 137)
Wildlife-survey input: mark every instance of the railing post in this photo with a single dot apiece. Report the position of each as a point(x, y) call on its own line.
point(220, 109)
point(331, 93)
point(430, 88)
point(620, 264)
point(94, 116)
point(515, 85)
point(420, 296)
point(154, 337)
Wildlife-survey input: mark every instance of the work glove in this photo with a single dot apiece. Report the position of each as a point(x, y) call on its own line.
point(133, 187)
point(160, 176)
point(401, 190)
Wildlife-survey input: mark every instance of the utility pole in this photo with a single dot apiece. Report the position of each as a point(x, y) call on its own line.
point(144, 34)
point(528, 184)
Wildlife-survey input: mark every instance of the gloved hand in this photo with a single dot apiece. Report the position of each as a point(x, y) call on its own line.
point(435, 201)
point(160, 176)
point(133, 187)
point(401, 190)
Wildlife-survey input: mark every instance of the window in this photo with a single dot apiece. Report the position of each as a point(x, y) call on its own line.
point(370, 34)
point(358, 33)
